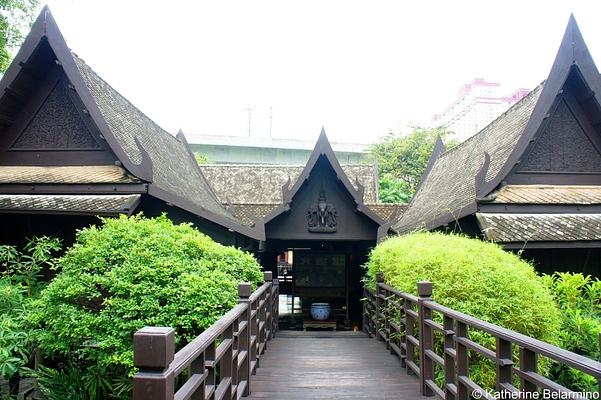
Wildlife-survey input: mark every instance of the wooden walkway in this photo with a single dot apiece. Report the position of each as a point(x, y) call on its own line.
point(330, 365)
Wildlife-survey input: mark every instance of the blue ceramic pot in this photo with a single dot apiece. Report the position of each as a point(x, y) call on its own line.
point(320, 311)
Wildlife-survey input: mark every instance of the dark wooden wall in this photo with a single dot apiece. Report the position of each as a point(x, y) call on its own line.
point(152, 207)
point(547, 261)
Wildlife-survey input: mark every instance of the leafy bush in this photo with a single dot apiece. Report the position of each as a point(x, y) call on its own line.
point(14, 339)
point(474, 277)
point(21, 280)
point(129, 273)
point(579, 299)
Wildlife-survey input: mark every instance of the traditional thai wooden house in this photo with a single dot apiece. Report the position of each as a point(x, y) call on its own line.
point(531, 180)
point(320, 221)
point(72, 148)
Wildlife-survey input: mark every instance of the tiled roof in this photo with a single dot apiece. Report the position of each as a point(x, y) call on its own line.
point(450, 186)
point(174, 170)
point(545, 194)
point(246, 212)
point(386, 211)
point(262, 184)
point(506, 228)
point(89, 204)
point(69, 175)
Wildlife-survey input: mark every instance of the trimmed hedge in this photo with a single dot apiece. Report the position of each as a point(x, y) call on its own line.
point(474, 277)
point(471, 276)
point(129, 273)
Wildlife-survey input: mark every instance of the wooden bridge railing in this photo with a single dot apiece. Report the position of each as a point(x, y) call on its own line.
point(219, 362)
point(409, 326)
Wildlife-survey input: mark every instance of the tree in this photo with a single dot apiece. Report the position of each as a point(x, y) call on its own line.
point(402, 160)
point(15, 17)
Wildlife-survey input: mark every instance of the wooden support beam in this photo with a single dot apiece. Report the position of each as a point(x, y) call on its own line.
point(31, 70)
point(15, 94)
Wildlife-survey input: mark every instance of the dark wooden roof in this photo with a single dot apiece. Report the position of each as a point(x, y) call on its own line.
point(449, 190)
point(461, 178)
point(145, 150)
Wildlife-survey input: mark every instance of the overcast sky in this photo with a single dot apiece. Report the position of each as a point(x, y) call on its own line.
point(359, 68)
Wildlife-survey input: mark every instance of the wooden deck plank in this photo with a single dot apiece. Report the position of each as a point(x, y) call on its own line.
point(330, 365)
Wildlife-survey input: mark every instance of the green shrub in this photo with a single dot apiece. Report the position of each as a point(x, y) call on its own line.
point(579, 299)
point(475, 277)
point(129, 273)
point(21, 279)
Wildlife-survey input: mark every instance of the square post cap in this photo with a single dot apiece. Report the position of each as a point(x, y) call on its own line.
point(424, 289)
point(244, 290)
point(267, 276)
point(154, 347)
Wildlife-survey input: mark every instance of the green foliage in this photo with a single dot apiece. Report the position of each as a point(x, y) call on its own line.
point(579, 299)
point(21, 280)
point(201, 158)
point(15, 16)
point(475, 277)
point(25, 268)
point(129, 273)
point(14, 339)
point(394, 191)
point(402, 160)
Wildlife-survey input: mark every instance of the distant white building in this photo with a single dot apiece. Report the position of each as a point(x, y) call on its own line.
point(478, 103)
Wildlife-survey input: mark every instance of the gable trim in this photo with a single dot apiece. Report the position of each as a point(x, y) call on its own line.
point(572, 53)
point(322, 148)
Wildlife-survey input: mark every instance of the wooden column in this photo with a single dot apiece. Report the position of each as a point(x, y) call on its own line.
point(154, 349)
point(426, 339)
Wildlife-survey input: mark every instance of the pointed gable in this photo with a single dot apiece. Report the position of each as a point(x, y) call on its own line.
point(562, 146)
point(322, 181)
point(57, 124)
point(82, 104)
point(556, 128)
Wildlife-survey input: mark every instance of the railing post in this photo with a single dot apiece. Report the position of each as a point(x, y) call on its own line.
point(504, 364)
point(409, 332)
point(244, 292)
point(154, 349)
point(254, 333)
point(268, 277)
point(449, 360)
point(426, 365)
point(275, 309)
point(462, 361)
point(528, 361)
point(379, 280)
point(402, 331)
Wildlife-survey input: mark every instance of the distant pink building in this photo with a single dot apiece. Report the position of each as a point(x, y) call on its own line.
point(478, 103)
